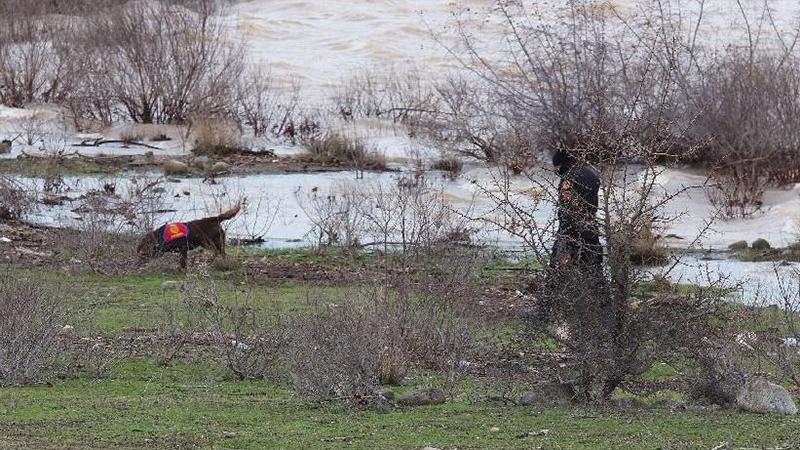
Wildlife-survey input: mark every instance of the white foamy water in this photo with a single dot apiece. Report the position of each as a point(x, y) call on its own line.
point(315, 43)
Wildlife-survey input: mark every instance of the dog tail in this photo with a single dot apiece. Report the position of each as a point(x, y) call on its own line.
point(230, 214)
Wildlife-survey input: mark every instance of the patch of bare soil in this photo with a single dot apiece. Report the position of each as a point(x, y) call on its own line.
point(26, 243)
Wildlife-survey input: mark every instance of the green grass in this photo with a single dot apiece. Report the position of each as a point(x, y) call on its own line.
point(131, 302)
point(144, 405)
point(193, 403)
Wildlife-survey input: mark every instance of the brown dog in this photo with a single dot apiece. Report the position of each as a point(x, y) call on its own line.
point(180, 237)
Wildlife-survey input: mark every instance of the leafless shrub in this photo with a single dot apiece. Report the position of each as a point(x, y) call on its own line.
point(141, 202)
point(257, 218)
point(32, 315)
point(35, 60)
point(102, 239)
point(33, 128)
point(161, 63)
point(466, 123)
point(16, 199)
point(412, 216)
point(749, 115)
point(716, 376)
point(263, 106)
point(247, 340)
point(362, 95)
point(354, 343)
point(403, 97)
point(450, 165)
point(569, 85)
point(579, 87)
point(770, 337)
point(334, 216)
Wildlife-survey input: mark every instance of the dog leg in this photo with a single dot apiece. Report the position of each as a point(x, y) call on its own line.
point(221, 243)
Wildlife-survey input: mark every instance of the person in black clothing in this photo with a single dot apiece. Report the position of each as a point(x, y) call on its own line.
point(576, 261)
point(577, 244)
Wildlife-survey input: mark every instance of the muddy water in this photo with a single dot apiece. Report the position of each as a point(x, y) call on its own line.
point(316, 43)
point(279, 206)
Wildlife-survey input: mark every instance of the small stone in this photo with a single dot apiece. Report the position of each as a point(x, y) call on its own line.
point(494, 429)
point(738, 245)
point(229, 435)
point(528, 399)
point(548, 394)
point(760, 396)
point(628, 403)
point(670, 404)
point(200, 162)
point(761, 244)
point(388, 394)
point(5, 239)
point(175, 167)
point(422, 397)
point(219, 168)
point(240, 345)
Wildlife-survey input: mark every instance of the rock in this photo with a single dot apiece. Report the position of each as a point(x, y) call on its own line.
point(219, 168)
point(431, 448)
point(628, 403)
point(738, 245)
point(229, 435)
point(761, 244)
point(761, 396)
point(170, 285)
point(529, 399)
point(388, 394)
point(175, 167)
point(670, 404)
point(5, 240)
point(200, 162)
point(54, 200)
point(422, 397)
point(5, 146)
point(239, 345)
point(494, 429)
point(34, 253)
point(548, 394)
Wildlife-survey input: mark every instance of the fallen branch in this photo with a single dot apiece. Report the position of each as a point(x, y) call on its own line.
point(99, 142)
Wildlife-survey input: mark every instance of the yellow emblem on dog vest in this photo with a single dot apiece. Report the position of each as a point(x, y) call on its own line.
point(174, 231)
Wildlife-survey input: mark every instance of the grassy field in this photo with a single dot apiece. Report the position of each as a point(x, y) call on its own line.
point(144, 405)
point(194, 403)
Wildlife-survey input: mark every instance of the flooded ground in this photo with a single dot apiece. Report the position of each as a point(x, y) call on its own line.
point(280, 209)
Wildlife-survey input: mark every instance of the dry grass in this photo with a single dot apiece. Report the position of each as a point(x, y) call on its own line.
point(337, 149)
point(215, 136)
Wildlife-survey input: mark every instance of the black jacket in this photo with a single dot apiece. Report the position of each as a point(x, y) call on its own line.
point(578, 237)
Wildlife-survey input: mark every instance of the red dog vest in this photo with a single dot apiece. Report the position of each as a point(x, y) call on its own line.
point(175, 230)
